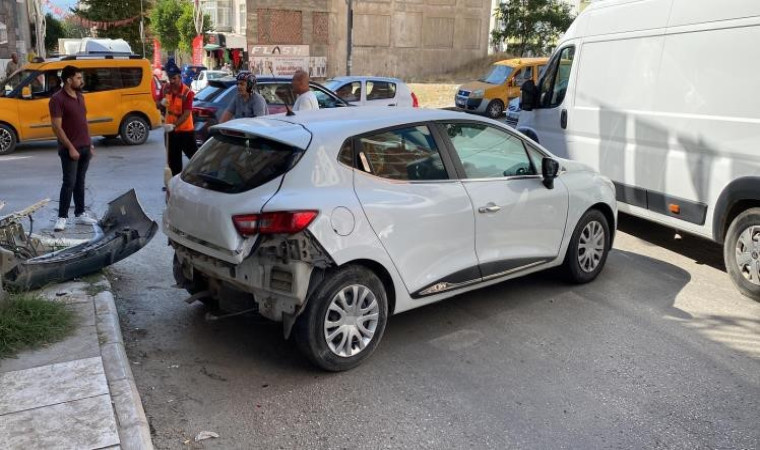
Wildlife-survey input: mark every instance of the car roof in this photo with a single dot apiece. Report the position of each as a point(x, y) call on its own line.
point(337, 123)
point(360, 78)
point(515, 62)
point(229, 81)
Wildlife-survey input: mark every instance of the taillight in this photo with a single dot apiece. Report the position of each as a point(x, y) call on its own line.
point(204, 112)
point(415, 102)
point(281, 222)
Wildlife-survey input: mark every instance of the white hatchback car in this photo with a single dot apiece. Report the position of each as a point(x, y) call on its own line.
point(333, 220)
point(373, 91)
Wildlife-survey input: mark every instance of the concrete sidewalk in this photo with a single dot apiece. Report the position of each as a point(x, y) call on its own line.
point(78, 393)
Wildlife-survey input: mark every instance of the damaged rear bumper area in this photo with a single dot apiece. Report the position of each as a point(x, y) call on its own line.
point(123, 230)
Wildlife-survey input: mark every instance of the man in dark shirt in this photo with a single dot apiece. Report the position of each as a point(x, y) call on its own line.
point(69, 117)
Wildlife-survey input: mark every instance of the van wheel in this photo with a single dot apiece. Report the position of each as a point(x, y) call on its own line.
point(588, 249)
point(7, 139)
point(741, 253)
point(495, 109)
point(344, 319)
point(134, 130)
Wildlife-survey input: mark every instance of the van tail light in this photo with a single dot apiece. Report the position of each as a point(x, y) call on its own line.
point(415, 102)
point(281, 222)
point(204, 112)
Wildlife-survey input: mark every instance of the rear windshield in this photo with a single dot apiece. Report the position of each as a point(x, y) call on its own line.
point(238, 164)
point(208, 93)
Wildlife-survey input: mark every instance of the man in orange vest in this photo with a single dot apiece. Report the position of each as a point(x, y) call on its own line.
point(179, 120)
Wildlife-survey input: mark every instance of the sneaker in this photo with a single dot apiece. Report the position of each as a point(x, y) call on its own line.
point(86, 219)
point(60, 224)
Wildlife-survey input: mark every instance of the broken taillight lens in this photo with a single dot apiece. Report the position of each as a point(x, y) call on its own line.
point(281, 222)
point(415, 102)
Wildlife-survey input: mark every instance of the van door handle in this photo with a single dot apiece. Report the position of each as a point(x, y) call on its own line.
point(563, 119)
point(489, 209)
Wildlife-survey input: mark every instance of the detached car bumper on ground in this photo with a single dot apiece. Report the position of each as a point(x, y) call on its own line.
point(332, 221)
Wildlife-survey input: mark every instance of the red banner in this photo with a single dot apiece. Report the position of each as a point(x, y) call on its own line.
point(156, 54)
point(198, 50)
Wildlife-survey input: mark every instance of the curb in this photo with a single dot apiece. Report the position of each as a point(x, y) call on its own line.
point(132, 424)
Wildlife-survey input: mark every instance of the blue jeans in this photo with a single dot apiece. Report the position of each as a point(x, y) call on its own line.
point(73, 180)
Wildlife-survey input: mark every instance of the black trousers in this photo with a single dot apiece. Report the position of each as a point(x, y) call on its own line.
point(180, 142)
point(73, 180)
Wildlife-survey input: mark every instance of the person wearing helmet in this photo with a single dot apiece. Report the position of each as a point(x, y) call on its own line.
point(247, 103)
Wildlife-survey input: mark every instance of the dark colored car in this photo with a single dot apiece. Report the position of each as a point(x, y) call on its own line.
point(189, 73)
point(210, 102)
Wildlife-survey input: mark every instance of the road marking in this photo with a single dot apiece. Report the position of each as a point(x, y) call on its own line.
point(12, 158)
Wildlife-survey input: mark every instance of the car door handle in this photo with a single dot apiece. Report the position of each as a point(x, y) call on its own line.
point(391, 104)
point(563, 119)
point(489, 209)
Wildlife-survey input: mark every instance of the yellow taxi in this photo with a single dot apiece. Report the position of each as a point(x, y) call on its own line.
point(117, 92)
point(490, 94)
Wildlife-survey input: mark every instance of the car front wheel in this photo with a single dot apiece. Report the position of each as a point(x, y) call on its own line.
point(741, 253)
point(588, 249)
point(495, 109)
point(344, 319)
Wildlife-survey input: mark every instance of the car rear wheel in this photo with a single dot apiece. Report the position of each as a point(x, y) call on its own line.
point(134, 130)
point(7, 139)
point(588, 249)
point(344, 319)
point(495, 109)
point(741, 253)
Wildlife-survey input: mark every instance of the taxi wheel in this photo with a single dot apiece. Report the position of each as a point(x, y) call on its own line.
point(495, 109)
point(134, 130)
point(7, 139)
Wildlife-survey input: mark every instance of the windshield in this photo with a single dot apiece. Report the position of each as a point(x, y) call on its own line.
point(208, 93)
point(238, 164)
point(331, 84)
point(497, 75)
point(215, 75)
point(15, 80)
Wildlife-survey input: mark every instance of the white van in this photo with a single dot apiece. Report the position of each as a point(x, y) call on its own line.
point(662, 96)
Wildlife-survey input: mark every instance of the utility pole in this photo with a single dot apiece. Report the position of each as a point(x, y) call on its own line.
point(142, 28)
point(349, 35)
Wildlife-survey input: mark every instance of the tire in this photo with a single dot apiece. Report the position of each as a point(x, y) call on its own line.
point(741, 253)
point(335, 295)
point(588, 249)
point(134, 130)
point(7, 139)
point(495, 109)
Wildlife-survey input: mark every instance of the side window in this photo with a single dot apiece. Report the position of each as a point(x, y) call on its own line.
point(487, 152)
point(45, 84)
point(346, 155)
point(131, 77)
point(402, 154)
point(275, 94)
point(524, 75)
point(380, 90)
point(101, 79)
point(536, 157)
point(554, 83)
point(324, 99)
point(350, 92)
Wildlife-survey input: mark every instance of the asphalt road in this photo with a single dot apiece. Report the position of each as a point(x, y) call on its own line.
point(659, 351)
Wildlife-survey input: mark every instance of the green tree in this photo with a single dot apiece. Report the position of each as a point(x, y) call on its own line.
point(54, 30)
point(112, 11)
point(531, 25)
point(172, 23)
point(72, 29)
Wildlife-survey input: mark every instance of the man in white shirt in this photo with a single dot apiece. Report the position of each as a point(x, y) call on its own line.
point(306, 99)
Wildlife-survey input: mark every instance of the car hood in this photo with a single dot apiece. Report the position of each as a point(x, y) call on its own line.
point(473, 85)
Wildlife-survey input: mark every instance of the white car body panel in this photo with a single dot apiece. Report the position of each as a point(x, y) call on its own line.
point(403, 97)
point(647, 105)
point(204, 77)
point(428, 233)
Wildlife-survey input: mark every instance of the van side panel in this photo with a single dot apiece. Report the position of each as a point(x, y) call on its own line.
point(633, 15)
point(685, 12)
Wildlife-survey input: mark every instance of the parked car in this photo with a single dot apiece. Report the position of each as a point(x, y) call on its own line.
point(190, 72)
point(640, 104)
point(201, 81)
point(118, 92)
point(513, 112)
point(373, 91)
point(335, 220)
point(209, 104)
point(499, 86)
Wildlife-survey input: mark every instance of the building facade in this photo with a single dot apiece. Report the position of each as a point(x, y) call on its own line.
point(15, 29)
point(403, 38)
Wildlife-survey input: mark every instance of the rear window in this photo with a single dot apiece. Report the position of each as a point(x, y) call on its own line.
point(226, 96)
point(208, 93)
point(238, 164)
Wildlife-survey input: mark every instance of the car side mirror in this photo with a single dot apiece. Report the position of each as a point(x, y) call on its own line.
point(549, 170)
point(26, 92)
point(529, 95)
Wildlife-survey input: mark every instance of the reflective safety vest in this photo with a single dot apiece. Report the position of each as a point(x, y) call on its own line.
point(174, 109)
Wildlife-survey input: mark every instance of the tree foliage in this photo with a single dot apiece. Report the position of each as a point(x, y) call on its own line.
point(54, 30)
point(172, 23)
point(531, 25)
point(114, 10)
